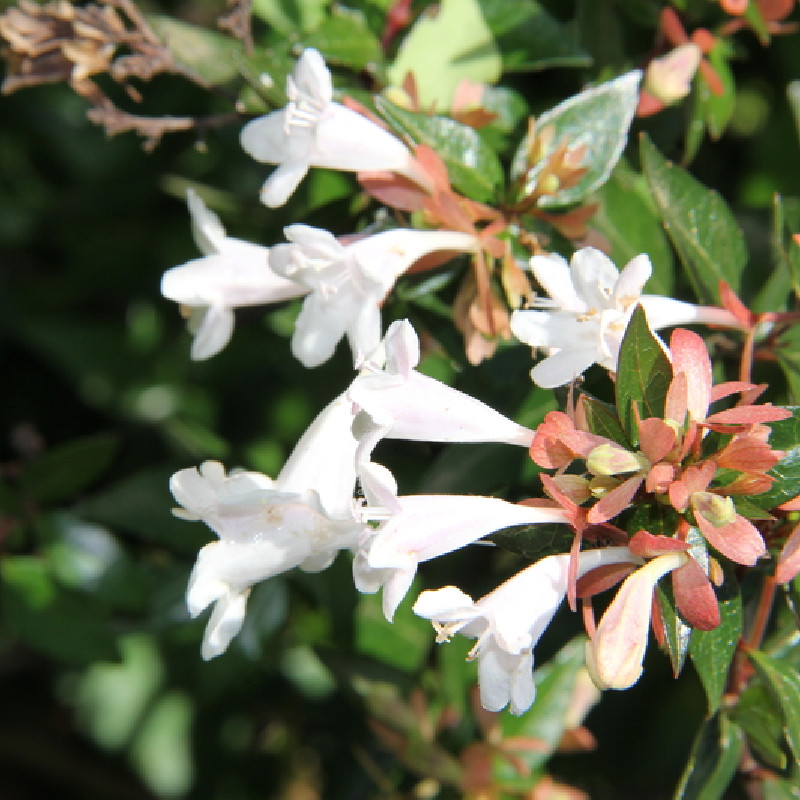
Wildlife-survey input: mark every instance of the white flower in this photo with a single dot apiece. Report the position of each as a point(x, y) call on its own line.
point(313, 131)
point(588, 311)
point(349, 282)
point(508, 622)
point(266, 527)
point(426, 527)
point(614, 655)
point(397, 402)
point(232, 273)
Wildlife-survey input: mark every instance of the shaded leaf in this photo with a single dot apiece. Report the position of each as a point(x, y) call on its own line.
point(783, 682)
point(713, 761)
point(699, 223)
point(712, 651)
point(290, 17)
point(676, 631)
point(535, 541)
point(603, 421)
point(63, 471)
point(761, 720)
point(785, 436)
point(598, 119)
point(643, 374)
point(529, 38)
point(472, 165)
point(344, 38)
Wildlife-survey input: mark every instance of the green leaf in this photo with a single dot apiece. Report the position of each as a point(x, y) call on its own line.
point(448, 43)
point(643, 374)
point(206, 53)
point(290, 17)
point(677, 632)
point(783, 682)
point(344, 38)
point(711, 651)
point(718, 109)
point(628, 218)
point(793, 95)
point(535, 541)
point(713, 761)
point(699, 223)
point(59, 474)
point(545, 722)
point(472, 165)
point(598, 119)
point(761, 720)
point(786, 222)
point(786, 473)
point(656, 518)
point(529, 38)
point(602, 420)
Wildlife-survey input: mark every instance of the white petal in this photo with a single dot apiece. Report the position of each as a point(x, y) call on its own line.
point(562, 329)
point(312, 76)
point(523, 689)
point(632, 280)
point(562, 367)
point(192, 491)
point(594, 277)
point(319, 327)
point(396, 588)
point(280, 186)
point(265, 140)
point(402, 348)
point(495, 671)
point(446, 604)
point(224, 623)
point(552, 273)
point(209, 233)
point(364, 328)
point(213, 333)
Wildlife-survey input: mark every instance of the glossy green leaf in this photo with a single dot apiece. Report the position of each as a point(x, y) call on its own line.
point(712, 651)
point(713, 761)
point(643, 374)
point(786, 222)
point(598, 119)
point(529, 38)
point(762, 721)
point(676, 631)
point(448, 43)
point(786, 473)
point(783, 682)
point(291, 17)
point(602, 420)
point(472, 165)
point(793, 95)
point(656, 518)
point(58, 474)
point(629, 220)
point(344, 38)
point(546, 720)
point(207, 53)
point(699, 223)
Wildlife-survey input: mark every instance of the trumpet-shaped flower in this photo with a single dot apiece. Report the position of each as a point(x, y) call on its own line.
point(588, 309)
point(265, 526)
point(231, 273)
point(428, 526)
point(349, 282)
point(397, 402)
point(313, 131)
point(614, 655)
point(509, 621)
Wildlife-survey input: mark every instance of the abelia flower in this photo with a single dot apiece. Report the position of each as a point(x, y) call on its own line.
point(583, 320)
point(397, 402)
point(266, 527)
point(232, 273)
point(429, 526)
point(509, 621)
point(615, 653)
point(348, 282)
point(313, 131)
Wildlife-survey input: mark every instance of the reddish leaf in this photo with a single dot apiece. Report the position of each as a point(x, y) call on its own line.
point(646, 545)
point(694, 596)
point(789, 559)
point(739, 540)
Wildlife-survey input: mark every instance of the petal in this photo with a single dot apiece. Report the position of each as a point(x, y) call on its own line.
point(563, 367)
point(562, 329)
point(396, 588)
point(213, 333)
point(281, 184)
point(552, 273)
point(265, 139)
point(448, 604)
point(401, 344)
point(312, 76)
point(363, 330)
point(224, 623)
point(319, 327)
point(632, 280)
point(594, 277)
point(208, 231)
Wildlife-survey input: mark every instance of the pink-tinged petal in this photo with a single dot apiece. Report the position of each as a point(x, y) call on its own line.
point(648, 545)
point(694, 596)
point(748, 415)
point(664, 312)
point(740, 540)
point(689, 355)
point(657, 438)
point(616, 501)
point(614, 656)
point(677, 399)
point(789, 559)
point(552, 273)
